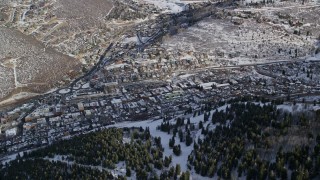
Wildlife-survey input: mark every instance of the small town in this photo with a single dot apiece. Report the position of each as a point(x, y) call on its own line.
point(140, 79)
point(91, 107)
point(219, 81)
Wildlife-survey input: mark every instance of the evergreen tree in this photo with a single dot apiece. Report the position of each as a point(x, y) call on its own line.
point(177, 150)
point(128, 172)
point(188, 139)
point(178, 169)
point(171, 142)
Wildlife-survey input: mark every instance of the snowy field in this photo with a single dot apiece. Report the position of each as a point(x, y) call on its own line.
point(239, 44)
point(298, 107)
point(171, 6)
point(165, 137)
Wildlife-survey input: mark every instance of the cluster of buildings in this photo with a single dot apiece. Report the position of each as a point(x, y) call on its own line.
point(142, 80)
point(89, 109)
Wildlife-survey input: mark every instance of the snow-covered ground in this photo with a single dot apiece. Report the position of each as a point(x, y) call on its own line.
point(297, 107)
point(13, 156)
point(169, 5)
point(226, 44)
point(119, 170)
point(130, 39)
point(309, 98)
point(172, 6)
point(64, 91)
point(165, 137)
point(9, 158)
point(315, 58)
point(85, 86)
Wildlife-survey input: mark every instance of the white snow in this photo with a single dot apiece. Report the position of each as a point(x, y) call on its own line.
point(173, 6)
point(119, 170)
point(315, 58)
point(114, 66)
point(309, 98)
point(64, 91)
point(152, 124)
point(85, 86)
point(292, 108)
point(130, 39)
point(165, 137)
point(11, 157)
point(185, 76)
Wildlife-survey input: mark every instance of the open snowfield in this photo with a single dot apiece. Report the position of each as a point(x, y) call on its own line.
point(173, 6)
point(170, 6)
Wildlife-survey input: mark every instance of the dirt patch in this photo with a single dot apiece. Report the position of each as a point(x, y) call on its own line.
point(28, 66)
point(82, 14)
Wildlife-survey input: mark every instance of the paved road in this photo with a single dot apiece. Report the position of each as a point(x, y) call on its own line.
point(241, 65)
